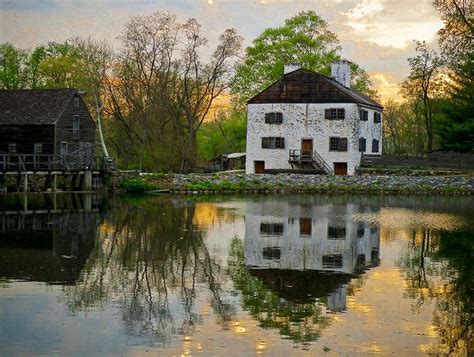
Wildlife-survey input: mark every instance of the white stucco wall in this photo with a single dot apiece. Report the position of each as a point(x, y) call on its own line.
point(370, 130)
point(306, 121)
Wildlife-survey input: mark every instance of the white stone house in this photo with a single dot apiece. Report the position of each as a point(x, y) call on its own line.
point(312, 123)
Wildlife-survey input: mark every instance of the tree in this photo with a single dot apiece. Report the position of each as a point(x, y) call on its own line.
point(223, 135)
point(403, 128)
point(13, 67)
point(457, 36)
point(59, 66)
point(95, 58)
point(163, 91)
point(424, 87)
point(456, 129)
point(304, 39)
point(200, 84)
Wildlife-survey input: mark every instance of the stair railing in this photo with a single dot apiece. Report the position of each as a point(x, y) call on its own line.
point(322, 163)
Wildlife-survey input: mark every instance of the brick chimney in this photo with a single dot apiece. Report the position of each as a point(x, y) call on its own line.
point(341, 72)
point(291, 67)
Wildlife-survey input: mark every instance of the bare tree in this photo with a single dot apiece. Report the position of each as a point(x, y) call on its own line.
point(96, 62)
point(163, 87)
point(200, 84)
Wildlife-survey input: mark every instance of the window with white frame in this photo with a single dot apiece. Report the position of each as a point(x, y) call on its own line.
point(38, 148)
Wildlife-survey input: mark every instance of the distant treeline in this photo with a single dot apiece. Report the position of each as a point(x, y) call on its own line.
point(163, 105)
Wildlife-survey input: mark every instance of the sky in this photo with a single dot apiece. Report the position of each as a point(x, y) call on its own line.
point(376, 34)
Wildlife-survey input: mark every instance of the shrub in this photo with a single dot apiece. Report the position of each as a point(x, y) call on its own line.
point(135, 185)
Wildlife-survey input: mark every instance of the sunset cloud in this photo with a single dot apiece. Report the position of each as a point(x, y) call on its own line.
point(377, 34)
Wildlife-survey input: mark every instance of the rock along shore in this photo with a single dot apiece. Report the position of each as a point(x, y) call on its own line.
point(241, 183)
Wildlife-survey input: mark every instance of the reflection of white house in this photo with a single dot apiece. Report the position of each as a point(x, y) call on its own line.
point(310, 121)
point(309, 236)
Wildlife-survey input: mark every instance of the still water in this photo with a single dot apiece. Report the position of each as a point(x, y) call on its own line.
point(276, 275)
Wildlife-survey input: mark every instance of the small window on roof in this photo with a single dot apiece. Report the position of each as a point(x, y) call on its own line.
point(76, 102)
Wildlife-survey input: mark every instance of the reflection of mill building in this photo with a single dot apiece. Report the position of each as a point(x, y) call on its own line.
point(47, 238)
point(316, 242)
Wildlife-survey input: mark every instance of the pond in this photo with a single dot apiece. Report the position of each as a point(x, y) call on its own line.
point(236, 275)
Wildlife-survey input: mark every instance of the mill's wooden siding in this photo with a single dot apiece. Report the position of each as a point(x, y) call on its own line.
point(25, 136)
point(64, 128)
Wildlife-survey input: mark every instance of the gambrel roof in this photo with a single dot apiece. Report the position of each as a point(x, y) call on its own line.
point(304, 86)
point(33, 106)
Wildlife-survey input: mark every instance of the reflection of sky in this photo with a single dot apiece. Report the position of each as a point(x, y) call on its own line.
point(32, 320)
point(377, 34)
point(379, 317)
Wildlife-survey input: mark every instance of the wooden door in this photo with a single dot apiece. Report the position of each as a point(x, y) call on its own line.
point(259, 167)
point(306, 149)
point(340, 168)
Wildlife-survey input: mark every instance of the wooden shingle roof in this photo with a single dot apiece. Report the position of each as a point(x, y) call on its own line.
point(33, 106)
point(304, 86)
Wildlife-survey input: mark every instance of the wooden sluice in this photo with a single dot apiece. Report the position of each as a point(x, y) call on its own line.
point(76, 172)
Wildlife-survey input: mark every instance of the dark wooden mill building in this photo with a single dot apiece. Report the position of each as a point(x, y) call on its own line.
point(45, 121)
point(48, 132)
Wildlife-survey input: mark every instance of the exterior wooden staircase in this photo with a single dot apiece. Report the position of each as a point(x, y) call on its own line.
point(306, 160)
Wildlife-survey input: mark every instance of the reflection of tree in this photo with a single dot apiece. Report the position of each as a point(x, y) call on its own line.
point(149, 260)
point(439, 266)
point(301, 322)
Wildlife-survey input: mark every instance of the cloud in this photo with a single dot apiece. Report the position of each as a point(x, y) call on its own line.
point(377, 34)
point(391, 23)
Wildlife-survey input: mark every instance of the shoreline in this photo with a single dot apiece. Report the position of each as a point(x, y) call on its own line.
point(236, 183)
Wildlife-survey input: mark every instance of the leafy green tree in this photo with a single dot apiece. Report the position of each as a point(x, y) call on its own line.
point(424, 87)
point(456, 128)
point(304, 39)
point(13, 67)
point(226, 134)
point(456, 38)
point(59, 67)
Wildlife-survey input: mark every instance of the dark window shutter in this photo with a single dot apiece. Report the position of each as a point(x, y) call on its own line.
point(341, 113)
point(362, 144)
point(264, 143)
point(342, 144)
point(375, 145)
point(327, 113)
point(282, 143)
point(377, 117)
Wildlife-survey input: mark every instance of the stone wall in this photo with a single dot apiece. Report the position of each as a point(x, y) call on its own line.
point(306, 121)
